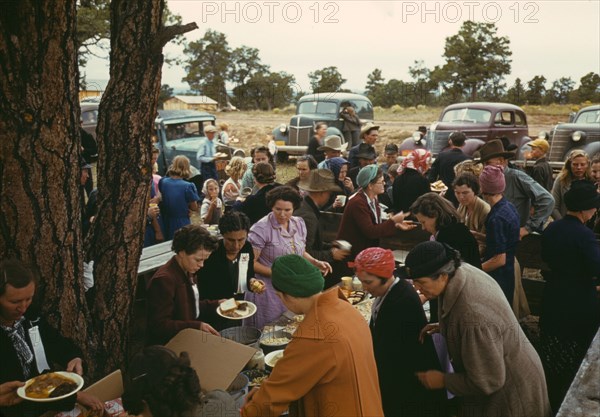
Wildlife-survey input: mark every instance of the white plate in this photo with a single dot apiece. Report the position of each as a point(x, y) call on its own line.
point(71, 375)
point(250, 311)
point(276, 355)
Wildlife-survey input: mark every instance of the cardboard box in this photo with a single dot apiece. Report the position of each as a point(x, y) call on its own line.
point(217, 360)
point(108, 388)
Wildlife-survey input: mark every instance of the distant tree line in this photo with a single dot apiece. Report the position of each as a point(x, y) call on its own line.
point(477, 62)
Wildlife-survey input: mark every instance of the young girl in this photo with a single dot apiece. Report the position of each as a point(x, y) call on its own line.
point(212, 206)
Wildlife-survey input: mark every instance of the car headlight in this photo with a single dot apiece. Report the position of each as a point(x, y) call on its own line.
point(416, 136)
point(543, 135)
point(577, 136)
point(283, 128)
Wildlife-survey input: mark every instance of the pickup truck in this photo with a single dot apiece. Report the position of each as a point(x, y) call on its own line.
point(180, 132)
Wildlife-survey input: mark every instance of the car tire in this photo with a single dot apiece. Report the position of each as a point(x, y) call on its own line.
point(282, 157)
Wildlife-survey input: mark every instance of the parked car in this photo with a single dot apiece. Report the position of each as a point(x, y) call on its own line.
point(89, 117)
point(581, 132)
point(480, 122)
point(180, 132)
point(293, 139)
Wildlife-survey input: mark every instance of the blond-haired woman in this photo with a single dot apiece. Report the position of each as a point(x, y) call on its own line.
point(577, 167)
point(231, 188)
point(178, 196)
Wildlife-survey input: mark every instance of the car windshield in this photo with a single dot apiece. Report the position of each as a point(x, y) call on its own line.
point(467, 115)
point(320, 107)
point(185, 130)
point(592, 116)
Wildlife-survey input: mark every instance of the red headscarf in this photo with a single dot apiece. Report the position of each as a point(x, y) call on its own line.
point(375, 261)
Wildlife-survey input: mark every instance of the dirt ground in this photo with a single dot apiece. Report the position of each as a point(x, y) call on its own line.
point(252, 128)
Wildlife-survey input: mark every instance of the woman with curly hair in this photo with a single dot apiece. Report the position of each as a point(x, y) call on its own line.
point(231, 188)
point(178, 196)
point(577, 167)
point(278, 233)
point(160, 383)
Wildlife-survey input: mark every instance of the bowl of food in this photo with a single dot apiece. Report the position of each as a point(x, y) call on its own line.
point(275, 340)
point(272, 358)
point(256, 377)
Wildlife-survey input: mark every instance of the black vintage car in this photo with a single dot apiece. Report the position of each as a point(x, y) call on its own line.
point(293, 139)
point(582, 132)
point(480, 122)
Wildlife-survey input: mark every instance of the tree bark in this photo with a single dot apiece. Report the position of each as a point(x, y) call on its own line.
point(126, 119)
point(40, 196)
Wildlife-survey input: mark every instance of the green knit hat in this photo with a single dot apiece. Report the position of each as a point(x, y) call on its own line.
point(294, 275)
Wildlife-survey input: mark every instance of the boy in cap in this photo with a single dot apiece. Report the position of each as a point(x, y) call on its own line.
point(541, 170)
point(329, 365)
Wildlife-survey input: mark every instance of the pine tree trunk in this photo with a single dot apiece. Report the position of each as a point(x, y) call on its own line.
point(40, 197)
point(126, 120)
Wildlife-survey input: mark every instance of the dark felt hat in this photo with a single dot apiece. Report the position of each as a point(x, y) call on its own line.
point(425, 259)
point(494, 149)
point(366, 151)
point(582, 195)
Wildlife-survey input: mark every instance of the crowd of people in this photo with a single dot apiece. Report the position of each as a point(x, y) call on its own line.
point(470, 358)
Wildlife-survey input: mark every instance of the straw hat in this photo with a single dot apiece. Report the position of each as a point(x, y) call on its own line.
point(366, 128)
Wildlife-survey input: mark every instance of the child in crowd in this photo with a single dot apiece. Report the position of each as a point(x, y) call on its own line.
point(212, 206)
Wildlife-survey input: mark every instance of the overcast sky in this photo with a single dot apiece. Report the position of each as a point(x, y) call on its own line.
point(551, 38)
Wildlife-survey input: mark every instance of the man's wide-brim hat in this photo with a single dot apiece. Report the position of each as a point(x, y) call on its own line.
point(366, 151)
point(319, 180)
point(583, 195)
point(366, 128)
point(333, 143)
point(494, 149)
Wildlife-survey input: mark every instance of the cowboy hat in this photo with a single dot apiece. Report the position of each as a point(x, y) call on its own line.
point(494, 149)
point(319, 180)
point(333, 143)
point(368, 127)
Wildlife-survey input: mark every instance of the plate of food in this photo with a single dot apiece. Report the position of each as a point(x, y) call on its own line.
point(438, 186)
point(52, 386)
point(236, 310)
point(221, 155)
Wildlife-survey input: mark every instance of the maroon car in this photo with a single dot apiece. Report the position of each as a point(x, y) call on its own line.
point(481, 122)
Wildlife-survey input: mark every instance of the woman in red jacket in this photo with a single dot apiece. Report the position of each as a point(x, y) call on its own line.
point(362, 224)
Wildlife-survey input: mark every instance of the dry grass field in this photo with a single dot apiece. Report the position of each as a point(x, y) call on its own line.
point(253, 127)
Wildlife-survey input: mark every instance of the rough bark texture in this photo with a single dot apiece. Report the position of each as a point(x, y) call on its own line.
point(126, 119)
point(40, 204)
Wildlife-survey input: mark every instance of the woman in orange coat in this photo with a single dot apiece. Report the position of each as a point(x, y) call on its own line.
point(329, 366)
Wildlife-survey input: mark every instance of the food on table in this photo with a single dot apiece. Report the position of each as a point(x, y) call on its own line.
point(356, 297)
point(275, 341)
point(50, 385)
